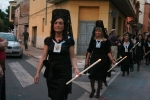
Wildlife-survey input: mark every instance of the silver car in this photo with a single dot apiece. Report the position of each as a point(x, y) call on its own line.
point(14, 47)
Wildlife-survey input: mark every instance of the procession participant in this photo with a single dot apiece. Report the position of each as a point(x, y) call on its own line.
point(99, 23)
point(125, 50)
point(147, 49)
point(139, 51)
point(99, 48)
point(59, 47)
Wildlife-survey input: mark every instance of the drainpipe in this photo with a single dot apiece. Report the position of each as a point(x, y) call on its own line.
point(46, 14)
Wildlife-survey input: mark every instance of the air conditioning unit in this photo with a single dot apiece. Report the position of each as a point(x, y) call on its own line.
point(55, 1)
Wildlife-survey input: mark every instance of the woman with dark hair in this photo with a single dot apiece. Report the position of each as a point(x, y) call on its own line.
point(147, 49)
point(99, 23)
point(139, 50)
point(126, 50)
point(99, 48)
point(59, 48)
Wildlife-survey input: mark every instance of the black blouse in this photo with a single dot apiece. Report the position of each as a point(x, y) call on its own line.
point(63, 57)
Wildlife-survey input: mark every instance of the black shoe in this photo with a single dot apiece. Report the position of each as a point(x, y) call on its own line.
point(92, 93)
point(146, 63)
point(106, 84)
point(123, 74)
point(138, 69)
point(97, 94)
point(127, 72)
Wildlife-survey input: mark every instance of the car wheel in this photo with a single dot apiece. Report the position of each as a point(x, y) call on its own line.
point(20, 56)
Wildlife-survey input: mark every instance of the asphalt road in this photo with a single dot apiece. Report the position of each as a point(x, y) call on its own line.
point(20, 85)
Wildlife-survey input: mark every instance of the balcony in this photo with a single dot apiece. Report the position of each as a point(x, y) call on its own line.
point(125, 7)
point(55, 1)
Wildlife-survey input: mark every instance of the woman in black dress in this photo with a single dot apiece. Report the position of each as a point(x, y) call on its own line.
point(126, 50)
point(99, 48)
point(139, 50)
point(59, 48)
point(147, 49)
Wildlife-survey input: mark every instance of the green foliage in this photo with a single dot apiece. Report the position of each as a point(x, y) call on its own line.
point(5, 25)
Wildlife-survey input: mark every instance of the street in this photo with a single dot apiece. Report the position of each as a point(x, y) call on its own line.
point(20, 85)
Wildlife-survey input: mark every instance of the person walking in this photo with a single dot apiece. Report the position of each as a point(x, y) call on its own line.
point(114, 43)
point(147, 49)
point(26, 38)
point(3, 45)
point(139, 51)
point(59, 48)
point(99, 48)
point(126, 50)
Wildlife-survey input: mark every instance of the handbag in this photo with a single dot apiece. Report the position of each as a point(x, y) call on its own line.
point(48, 74)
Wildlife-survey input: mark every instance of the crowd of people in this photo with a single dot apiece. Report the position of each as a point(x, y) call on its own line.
point(59, 49)
point(59, 58)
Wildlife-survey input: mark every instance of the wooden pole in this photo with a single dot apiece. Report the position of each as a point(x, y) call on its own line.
point(83, 71)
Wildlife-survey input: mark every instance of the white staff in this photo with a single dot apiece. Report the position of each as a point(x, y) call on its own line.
point(146, 53)
point(83, 71)
point(117, 63)
point(118, 58)
point(134, 46)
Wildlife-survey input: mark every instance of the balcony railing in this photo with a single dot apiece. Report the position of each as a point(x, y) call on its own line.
point(55, 1)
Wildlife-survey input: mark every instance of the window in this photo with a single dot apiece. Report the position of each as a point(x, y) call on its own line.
point(113, 23)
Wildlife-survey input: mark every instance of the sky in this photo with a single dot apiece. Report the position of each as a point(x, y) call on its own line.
point(4, 4)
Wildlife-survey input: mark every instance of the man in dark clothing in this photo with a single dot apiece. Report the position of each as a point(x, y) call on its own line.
point(26, 38)
point(114, 43)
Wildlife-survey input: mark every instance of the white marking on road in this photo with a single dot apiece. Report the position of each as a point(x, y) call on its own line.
point(22, 75)
point(35, 64)
point(109, 82)
point(87, 87)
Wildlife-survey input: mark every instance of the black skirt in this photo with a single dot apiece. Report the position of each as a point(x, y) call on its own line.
point(57, 88)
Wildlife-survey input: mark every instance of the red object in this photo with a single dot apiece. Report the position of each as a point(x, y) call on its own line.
point(2, 54)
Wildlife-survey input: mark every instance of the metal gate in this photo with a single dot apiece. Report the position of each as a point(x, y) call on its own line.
point(84, 36)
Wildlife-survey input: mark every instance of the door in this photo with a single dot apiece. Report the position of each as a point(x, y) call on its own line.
point(34, 35)
point(84, 36)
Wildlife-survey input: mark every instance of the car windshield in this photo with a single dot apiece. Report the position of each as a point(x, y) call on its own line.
point(8, 37)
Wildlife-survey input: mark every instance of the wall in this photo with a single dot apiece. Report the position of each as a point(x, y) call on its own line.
point(146, 21)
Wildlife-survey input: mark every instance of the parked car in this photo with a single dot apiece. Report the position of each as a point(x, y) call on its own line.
point(14, 47)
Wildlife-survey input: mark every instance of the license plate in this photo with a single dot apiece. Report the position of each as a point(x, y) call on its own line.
point(8, 51)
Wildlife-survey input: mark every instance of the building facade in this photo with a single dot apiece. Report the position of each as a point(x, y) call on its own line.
point(146, 21)
point(84, 13)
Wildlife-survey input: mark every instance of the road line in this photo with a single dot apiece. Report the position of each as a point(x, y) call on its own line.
point(35, 64)
point(87, 87)
point(22, 75)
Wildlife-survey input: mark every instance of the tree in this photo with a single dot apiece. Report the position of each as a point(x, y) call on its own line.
point(1, 24)
point(5, 25)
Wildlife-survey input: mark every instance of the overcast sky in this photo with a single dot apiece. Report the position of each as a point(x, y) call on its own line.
point(4, 4)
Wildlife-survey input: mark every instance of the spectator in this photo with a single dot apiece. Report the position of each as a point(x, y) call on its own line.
point(3, 45)
point(26, 38)
point(114, 43)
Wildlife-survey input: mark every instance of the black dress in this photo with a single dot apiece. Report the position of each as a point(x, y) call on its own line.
point(99, 71)
point(139, 51)
point(62, 69)
point(126, 63)
point(147, 48)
